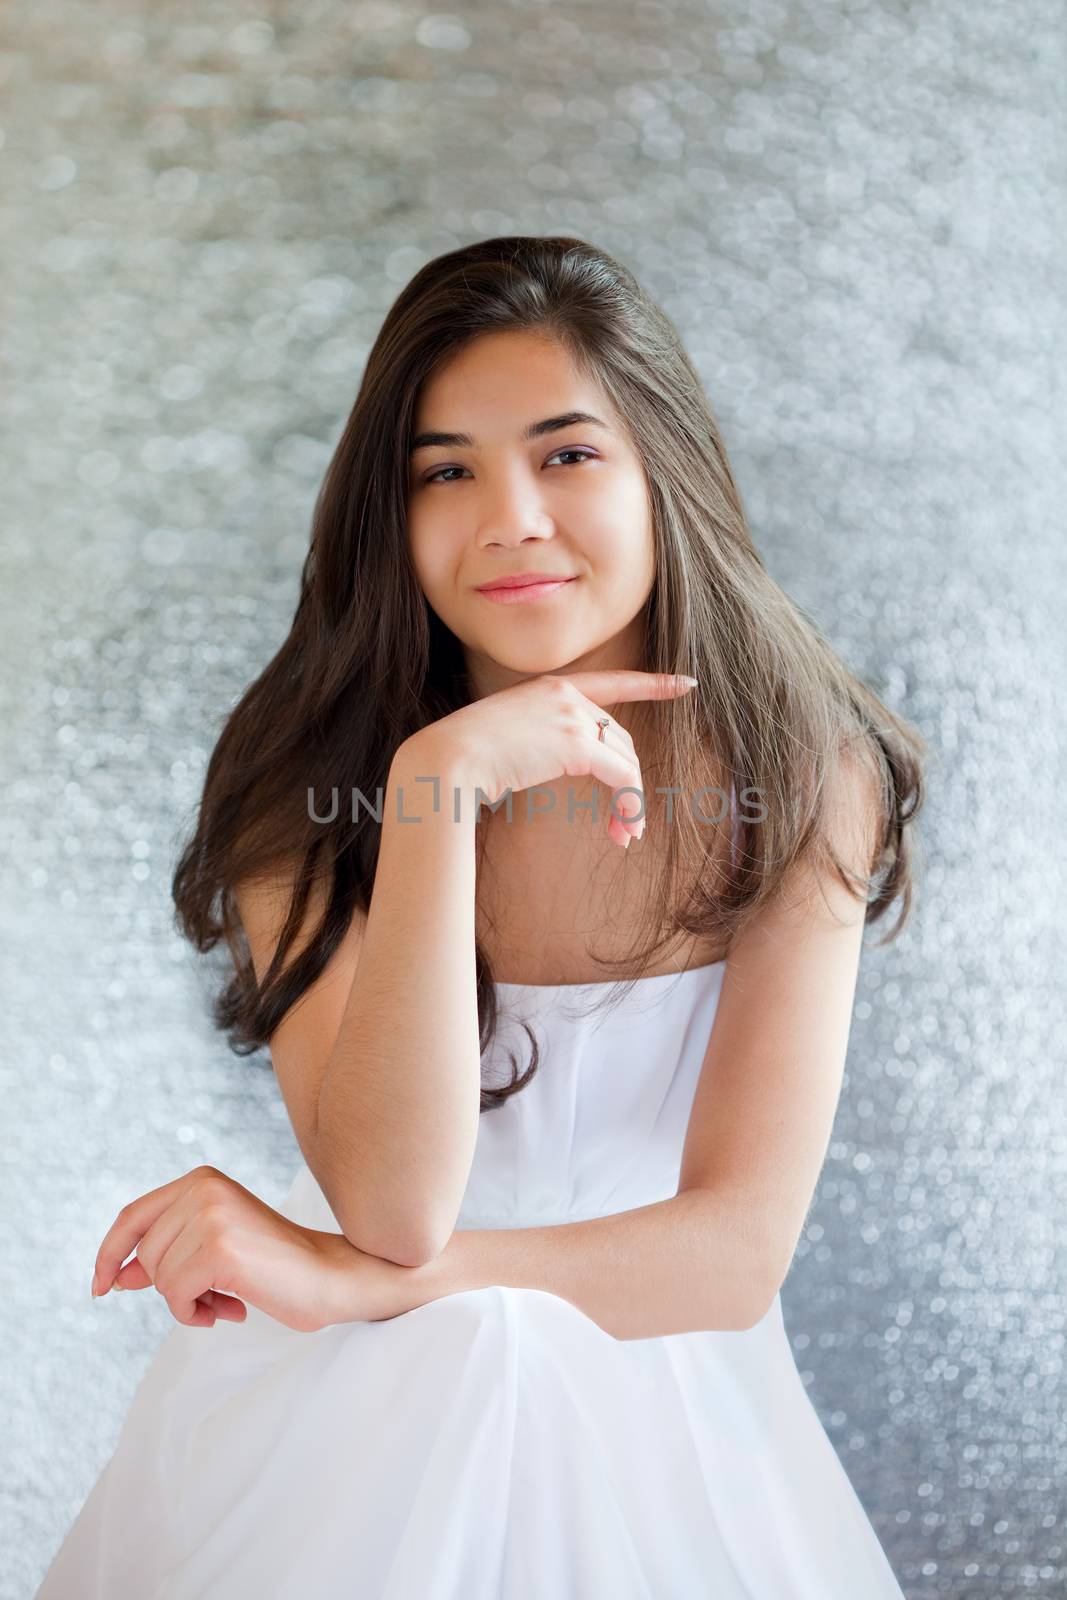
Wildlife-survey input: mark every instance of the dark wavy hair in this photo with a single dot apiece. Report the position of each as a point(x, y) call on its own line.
point(367, 662)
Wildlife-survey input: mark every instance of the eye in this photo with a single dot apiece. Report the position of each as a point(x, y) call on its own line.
point(583, 455)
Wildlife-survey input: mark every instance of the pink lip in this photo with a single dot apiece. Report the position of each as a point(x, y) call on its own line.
point(531, 587)
point(517, 580)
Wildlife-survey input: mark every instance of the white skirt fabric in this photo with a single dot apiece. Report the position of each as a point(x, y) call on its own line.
point(497, 1443)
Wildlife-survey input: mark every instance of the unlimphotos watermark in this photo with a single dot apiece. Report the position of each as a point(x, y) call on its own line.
point(478, 798)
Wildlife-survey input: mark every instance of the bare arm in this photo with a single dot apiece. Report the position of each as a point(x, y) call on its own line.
point(692, 1262)
point(398, 1106)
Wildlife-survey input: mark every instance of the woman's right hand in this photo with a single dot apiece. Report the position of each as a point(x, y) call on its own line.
point(546, 728)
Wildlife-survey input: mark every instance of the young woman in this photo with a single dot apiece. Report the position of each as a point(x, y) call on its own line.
point(516, 1330)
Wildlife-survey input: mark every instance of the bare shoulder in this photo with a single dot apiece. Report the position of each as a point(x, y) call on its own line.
point(853, 829)
point(814, 917)
point(263, 905)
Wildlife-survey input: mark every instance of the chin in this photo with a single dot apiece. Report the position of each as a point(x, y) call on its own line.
point(531, 663)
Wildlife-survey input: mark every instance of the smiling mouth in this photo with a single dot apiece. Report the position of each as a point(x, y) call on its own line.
point(520, 593)
point(523, 580)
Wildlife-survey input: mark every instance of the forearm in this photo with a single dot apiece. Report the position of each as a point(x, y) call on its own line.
point(677, 1266)
point(399, 1103)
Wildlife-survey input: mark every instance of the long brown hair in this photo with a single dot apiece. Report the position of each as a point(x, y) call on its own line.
point(367, 663)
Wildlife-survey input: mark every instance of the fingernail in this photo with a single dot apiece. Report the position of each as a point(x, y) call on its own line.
point(692, 682)
point(96, 1286)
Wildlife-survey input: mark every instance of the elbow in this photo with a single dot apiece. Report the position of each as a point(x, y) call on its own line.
point(746, 1267)
point(410, 1247)
point(407, 1240)
point(755, 1314)
point(426, 1245)
point(404, 1252)
point(744, 1310)
point(766, 1286)
point(397, 1254)
point(767, 1258)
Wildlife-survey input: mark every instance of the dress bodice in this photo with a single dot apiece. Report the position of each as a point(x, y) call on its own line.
point(601, 1124)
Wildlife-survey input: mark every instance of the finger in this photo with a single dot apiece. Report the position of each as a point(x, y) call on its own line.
point(615, 771)
point(212, 1307)
point(184, 1276)
point(130, 1227)
point(132, 1276)
point(611, 687)
point(620, 832)
point(180, 1279)
point(227, 1306)
point(627, 809)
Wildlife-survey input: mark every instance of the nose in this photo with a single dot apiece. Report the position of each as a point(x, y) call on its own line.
point(511, 516)
point(500, 538)
point(510, 529)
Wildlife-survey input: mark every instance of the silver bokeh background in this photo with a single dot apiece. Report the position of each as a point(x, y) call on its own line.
point(855, 214)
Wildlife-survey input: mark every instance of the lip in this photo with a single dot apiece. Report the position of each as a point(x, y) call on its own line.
point(533, 586)
point(520, 580)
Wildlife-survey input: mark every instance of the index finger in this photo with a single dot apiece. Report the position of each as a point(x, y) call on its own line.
point(611, 686)
point(127, 1230)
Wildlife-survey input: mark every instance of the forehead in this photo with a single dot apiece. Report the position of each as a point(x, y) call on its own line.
point(507, 376)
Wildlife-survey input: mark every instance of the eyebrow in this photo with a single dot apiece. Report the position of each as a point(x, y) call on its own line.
point(534, 430)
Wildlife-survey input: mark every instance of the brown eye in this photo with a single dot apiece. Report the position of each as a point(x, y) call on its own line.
point(583, 455)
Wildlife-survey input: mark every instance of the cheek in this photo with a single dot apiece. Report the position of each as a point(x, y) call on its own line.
point(435, 571)
point(424, 558)
point(625, 559)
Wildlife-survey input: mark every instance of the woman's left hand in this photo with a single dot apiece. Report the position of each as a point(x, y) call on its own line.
point(208, 1245)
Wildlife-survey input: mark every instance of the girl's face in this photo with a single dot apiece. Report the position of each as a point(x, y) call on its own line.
point(568, 499)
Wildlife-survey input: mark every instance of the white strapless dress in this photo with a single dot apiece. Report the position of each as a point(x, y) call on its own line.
point(497, 1443)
